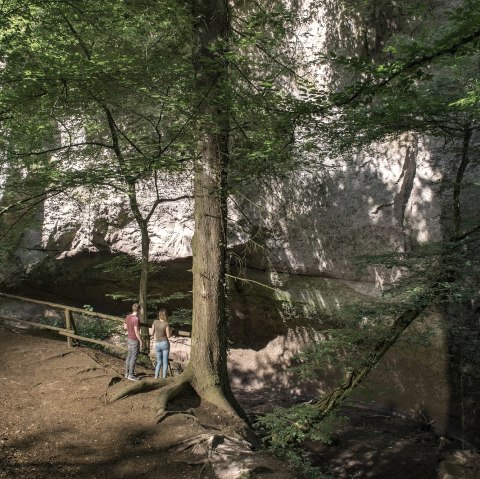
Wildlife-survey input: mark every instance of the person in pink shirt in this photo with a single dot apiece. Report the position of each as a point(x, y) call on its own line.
point(134, 342)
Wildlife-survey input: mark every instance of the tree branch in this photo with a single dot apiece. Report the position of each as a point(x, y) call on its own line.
point(82, 44)
point(40, 197)
point(409, 66)
point(28, 208)
point(166, 200)
point(457, 186)
point(60, 148)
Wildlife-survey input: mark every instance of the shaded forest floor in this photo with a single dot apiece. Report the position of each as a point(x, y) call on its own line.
point(54, 423)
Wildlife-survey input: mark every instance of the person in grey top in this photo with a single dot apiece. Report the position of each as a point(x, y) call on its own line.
point(134, 341)
point(160, 330)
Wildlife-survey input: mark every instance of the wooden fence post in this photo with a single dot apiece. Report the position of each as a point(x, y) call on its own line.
point(68, 325)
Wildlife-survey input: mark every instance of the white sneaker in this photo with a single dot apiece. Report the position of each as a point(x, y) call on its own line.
point(132, 377)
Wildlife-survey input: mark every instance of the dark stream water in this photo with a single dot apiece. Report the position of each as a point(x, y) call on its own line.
point(82, 280)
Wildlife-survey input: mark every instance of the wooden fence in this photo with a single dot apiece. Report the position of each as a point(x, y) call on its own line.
point(69, 330)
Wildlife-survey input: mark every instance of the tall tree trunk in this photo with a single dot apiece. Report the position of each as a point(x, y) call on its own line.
point(145, 244)
point(143, 288)
point(134, 207)
point(207, 370)
point(208, 362)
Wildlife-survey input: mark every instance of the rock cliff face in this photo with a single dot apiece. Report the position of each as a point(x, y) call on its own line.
point(313, 223)
point(89, 221)
point(383, 200)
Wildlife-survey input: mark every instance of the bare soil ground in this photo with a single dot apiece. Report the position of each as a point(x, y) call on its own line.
point(55, 423)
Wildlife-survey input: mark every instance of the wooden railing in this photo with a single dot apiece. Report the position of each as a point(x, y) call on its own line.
point(69, 326)
point(69, 331)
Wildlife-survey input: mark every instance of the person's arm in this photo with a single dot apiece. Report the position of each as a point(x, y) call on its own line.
point(151, 331)
point(167, 332)
point(136, 328)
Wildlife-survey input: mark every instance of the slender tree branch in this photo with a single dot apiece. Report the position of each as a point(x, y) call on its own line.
point(461, 236)
point(82, 44)
point(457, 186)
point(166, 200)
point(27, 209)
point(187, 121)
point(268, 54)
point(40, 197)
point(409, 66)
point(131, 142)
point(61, 148)
point(115, 141)
point(263, 285)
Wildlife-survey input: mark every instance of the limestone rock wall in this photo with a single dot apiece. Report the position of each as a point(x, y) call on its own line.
point(88, 220)
point(316, 222)
point(319, 223)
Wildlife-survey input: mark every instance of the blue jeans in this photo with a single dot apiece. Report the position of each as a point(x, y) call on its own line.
point(133, 347)
point(162, 348)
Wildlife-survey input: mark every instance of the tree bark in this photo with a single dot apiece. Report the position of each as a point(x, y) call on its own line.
point(208, 361)
point(134, 207)
point(143, 288)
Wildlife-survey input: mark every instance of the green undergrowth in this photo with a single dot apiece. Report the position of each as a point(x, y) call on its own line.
point(284, 431)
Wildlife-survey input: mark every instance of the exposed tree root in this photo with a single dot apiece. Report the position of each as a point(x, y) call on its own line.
point(103, 364)
point(188, 413)
point(60, 355)
point(89, 378)
point(216, 451)
point(193, 442)
point(86, 370)
point(180, 385)
point(215, 396)
point(113, 380)
point(204, 468)
point(203, 444)
point(135, 388)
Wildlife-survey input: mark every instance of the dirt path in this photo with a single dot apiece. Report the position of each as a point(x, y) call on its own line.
point(56, 424)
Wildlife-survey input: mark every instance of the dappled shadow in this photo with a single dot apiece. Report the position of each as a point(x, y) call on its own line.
point(20, 223)
point(60, 452)
point(410, 378)
point(372, 444)
point(371, 203)
point(318, 223)
point(55, 423)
